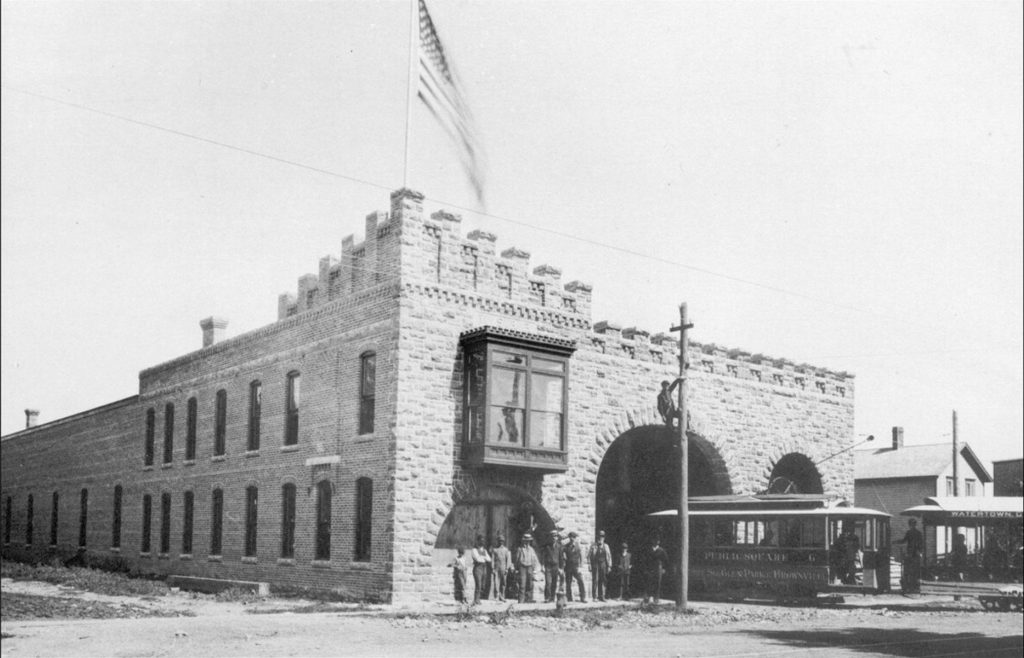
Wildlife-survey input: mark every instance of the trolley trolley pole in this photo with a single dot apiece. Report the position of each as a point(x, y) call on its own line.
point(684, 495)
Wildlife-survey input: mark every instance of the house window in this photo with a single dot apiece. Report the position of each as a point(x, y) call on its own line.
point(83, 518)
point(190, 429)
point(367, 388)
point(216, 521)
point(165, 523)
point(150, 436)
point(29, 513)
point(516, 390)
point(255, 408)
point(7, 520)
point(220, 422)
point(115, 530)
point(54, 519)
point(291, 423)
point(950, 486)
point(250, 521)
point(288, 521)
point(169, 433)
point(364, 518)
point(187, 517)
point(970, 487)
point(323, 520)
point(147, 522)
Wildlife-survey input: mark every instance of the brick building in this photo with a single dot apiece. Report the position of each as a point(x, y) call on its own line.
point(1008, 477)
point(422, 389)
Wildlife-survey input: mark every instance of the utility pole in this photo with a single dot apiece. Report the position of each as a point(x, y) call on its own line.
point(684, 458)
point(956, 458)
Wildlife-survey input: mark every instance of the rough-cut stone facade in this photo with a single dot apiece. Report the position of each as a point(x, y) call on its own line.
point(406, 293)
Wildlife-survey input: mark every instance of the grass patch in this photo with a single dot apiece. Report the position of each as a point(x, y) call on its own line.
point(89, 580)
point(238, 595)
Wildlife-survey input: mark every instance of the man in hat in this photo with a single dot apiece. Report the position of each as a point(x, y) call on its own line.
point(481, 558)
point(573, 561)
point(600, 557)
point(526, 562)
point(912, 558)
point(657, 560)
point(625, 567)
point(554, 564)
point(501, 563)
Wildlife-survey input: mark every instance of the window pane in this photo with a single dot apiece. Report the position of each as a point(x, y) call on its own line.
point(369, 376)
point(323, 521)
point(507, 388)
point(546, 393)
point(250, 521)
point(509, 358)
point(186, 522)
point(476, 424)
point(288, 521)
point(220, 424)
point(216, 521)
point(545, 430)
point(507, 425)
point(547, 365)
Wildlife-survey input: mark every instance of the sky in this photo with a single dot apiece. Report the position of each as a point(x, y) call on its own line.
point(834, 183)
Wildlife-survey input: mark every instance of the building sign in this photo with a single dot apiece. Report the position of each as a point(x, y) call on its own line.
point(985, 514)
point(758, 573)
point(759, 556)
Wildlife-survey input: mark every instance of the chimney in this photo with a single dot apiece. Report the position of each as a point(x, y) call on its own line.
point(31, 418)
point(897, 438)
point(213, 330)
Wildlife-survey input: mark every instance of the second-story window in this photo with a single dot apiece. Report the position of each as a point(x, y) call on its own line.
point(169, 433)
point(220, 423)
point(255, 410)
point(149, 448)
point(970, 487)
point(367, 391)
point(291, 421)
point(190, 429)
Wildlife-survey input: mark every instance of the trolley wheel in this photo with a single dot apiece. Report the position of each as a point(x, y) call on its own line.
point(987, 603)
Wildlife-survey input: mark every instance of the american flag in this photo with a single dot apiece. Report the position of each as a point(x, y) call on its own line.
point(439, 90)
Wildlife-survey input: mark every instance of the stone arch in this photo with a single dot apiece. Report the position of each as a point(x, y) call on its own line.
point(639, 474)
point(794, 472)
point(491, 509)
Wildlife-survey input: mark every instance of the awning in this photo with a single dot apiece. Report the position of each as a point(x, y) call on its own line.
point(951, 510)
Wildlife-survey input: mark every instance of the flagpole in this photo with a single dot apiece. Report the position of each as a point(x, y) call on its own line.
point(414, 24)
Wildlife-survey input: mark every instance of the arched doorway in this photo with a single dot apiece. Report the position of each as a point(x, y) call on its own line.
point(640, 474)
point(794, 473)
point(492, 511)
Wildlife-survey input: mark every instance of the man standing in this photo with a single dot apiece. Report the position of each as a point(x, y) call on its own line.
point(600, 556)
point(573, 562)
point(912, 558)
point(480, 561)
point(658, 559)
point(625, 567)
point(526, 562)
point(554, 562)
point(501, 564)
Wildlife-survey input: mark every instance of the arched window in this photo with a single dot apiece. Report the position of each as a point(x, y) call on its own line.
point(190, 429)
point(255, 410)
point(288, 521)
point(54, 518)
point(28, 519)
point(188, 511)
point(165, 523)
point(115, 530)
point(83, 518)
point(291, 422)
point(367, 391)
point(150, 437)
point(364, 518)
point(220, 423)
point(250, 521)
point(795, 473)
point(323, 520)
point(169, 433)
point(147, 522)
point(216, 521)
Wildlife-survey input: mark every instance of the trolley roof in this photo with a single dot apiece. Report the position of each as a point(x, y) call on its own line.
point(771, 505)
point(957, 509)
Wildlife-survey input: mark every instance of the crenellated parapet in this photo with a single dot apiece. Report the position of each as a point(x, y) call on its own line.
point(431, 250)
point(639, 345)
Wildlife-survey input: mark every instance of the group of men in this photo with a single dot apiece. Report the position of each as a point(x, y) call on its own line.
point(498, 571)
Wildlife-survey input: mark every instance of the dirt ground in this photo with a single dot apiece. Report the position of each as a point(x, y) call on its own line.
point(184, 624)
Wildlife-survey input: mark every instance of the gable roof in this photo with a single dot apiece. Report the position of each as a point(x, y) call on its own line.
point(929, 460)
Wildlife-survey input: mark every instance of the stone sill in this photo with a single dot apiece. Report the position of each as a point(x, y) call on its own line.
point(145, 554)
point(286, 561)
point(214, 558)
point(362, 565)
point(290, 448)
point(252, 453)
point(115, 549)
point(189, 462)
point(163, 556)
point(219, 458)
point(250, 560)
point(185, 556)
point(166, 465)
point(148, 468)
point(320, 564)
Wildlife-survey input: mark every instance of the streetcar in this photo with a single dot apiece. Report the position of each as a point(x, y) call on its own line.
point(783, 545)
